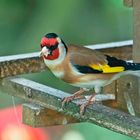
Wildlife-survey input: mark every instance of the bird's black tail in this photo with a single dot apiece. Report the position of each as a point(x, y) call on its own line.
point(113, 62)
point(132, 66)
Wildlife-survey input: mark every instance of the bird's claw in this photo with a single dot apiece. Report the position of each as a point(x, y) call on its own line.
point(67, 100)
point(83, 108)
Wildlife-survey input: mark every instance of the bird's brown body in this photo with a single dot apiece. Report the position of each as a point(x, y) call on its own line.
point(83, 67)
point(69, 76)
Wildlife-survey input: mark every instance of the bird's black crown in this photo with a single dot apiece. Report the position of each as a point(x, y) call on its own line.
point(51, 35)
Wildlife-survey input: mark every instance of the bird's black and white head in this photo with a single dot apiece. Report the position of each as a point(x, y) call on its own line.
point(52, 48)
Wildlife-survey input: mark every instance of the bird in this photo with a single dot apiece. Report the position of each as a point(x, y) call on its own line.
point(82, 67)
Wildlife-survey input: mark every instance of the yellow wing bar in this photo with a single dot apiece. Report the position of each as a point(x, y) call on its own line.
point(107, 69)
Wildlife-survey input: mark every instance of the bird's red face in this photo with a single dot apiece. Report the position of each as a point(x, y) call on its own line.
point(49, 47)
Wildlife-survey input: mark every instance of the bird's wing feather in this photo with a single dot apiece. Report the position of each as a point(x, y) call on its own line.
point(85, 56)
point(91, 61)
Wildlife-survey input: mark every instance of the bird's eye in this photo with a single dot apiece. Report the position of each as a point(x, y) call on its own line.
point(54, 47)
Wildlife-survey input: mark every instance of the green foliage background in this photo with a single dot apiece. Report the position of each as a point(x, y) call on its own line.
point(24, 22)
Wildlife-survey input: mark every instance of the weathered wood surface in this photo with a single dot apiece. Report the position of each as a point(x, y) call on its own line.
point(128, 87)
point(129, 94)
point(29, 63)
point(51, 98)
point(122, 49)
point(20, 64)
point(136, 14)
point(38, 116)
point(128, 3)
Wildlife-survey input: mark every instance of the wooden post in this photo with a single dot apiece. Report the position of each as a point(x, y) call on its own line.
point(128, 91)
point(136, 47)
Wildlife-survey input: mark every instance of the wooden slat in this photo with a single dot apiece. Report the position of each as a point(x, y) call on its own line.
point(20, 64)
point(124, 53)
point(51, 98)
point(122, 49)
point(41, 116)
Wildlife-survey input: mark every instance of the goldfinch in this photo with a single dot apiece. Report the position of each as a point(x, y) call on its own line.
point(83, 67)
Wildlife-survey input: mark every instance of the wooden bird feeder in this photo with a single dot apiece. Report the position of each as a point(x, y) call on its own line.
point(120, 115)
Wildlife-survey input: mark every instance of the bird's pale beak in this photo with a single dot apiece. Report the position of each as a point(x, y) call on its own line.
point(40, 54)
point(44, 52)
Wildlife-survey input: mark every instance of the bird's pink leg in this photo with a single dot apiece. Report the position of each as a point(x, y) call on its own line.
point(72, 97)
point(90, 101)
